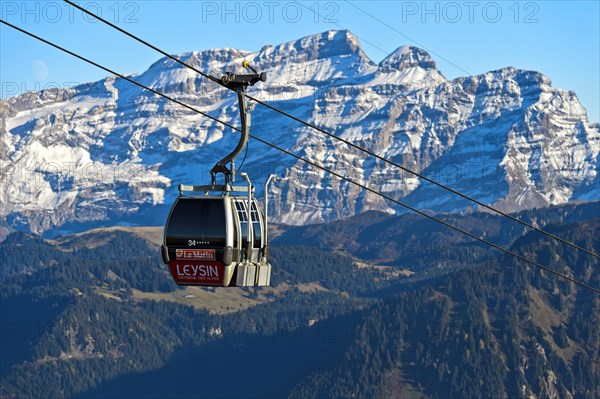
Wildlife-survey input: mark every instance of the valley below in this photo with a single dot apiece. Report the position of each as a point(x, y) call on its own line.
point(354, 310)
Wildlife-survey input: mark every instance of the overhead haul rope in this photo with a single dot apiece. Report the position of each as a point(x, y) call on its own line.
point(298, 157)
point(349, 143)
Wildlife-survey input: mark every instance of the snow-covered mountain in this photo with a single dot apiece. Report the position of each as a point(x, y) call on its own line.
point(109, 153)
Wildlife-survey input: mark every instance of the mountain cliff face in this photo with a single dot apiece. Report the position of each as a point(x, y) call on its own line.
point(108, 152)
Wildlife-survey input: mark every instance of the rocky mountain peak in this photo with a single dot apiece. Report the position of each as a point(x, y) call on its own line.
point(329, 44)
point(406, 57)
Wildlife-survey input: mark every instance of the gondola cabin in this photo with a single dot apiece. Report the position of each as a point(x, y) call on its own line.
point(206, 241)
point(220, 238)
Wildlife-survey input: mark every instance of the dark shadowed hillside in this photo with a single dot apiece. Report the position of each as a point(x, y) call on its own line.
point(105, 320)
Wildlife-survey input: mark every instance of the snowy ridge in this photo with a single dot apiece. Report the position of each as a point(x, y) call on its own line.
point(107, 152)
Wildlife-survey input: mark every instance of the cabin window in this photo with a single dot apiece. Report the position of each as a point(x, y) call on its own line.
point(199, 220)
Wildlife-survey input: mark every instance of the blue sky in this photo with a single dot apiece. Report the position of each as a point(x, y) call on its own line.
point(558, 38)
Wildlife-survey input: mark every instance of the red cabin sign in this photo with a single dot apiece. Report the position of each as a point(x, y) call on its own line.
point(196, 254)
point(195, 272)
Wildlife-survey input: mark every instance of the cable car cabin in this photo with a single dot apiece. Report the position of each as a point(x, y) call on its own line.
point(206, 242)
point(220, 239)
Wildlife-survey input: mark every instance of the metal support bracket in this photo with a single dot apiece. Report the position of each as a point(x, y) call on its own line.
point(239, 84)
